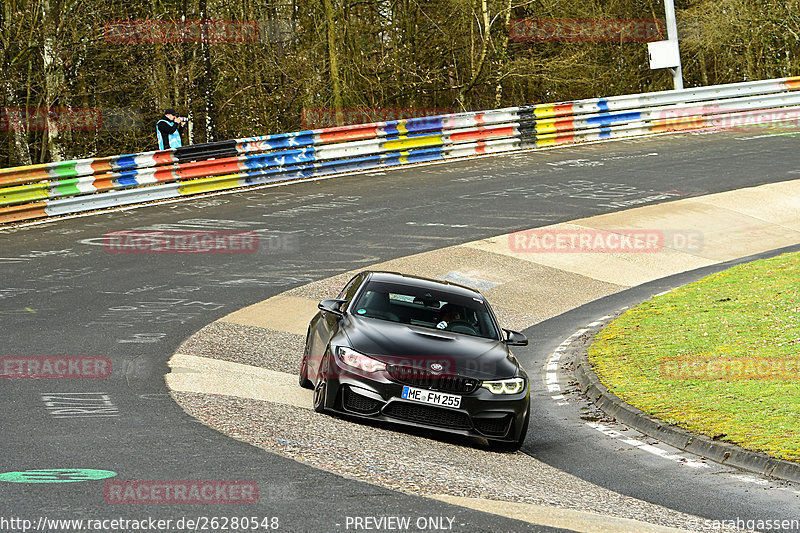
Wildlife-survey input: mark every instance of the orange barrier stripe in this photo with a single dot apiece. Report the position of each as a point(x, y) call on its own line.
point(104, 184)
point(22, 175)
point(482, 134)
point(565, 125)
point(678, 124)
point(22, 212)
point(101, 166)
point(793, 83)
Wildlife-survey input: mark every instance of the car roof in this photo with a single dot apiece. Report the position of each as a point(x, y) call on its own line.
point(427, 283)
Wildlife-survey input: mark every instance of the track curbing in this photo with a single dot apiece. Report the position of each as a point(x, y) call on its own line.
point(720, 452)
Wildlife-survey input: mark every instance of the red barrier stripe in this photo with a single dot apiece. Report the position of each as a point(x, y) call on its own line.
point(349, 135)
point(483, 133)
point(165, 174)
point(562, 109)
point(164, 157)
point(200, 169)
point(22, 212)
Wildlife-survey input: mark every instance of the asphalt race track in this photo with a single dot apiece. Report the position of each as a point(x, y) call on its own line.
point(63, 293)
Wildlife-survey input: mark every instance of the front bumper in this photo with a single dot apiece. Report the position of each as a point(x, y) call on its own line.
point(376, 397)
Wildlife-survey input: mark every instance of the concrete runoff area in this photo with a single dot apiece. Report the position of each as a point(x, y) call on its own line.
point(524, 286)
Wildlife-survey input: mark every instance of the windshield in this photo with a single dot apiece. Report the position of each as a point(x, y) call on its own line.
point(426, 308)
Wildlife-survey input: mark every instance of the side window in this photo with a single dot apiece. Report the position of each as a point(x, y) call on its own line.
point(350, 289)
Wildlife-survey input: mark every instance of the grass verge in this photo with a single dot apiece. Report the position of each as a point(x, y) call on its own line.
point(720, 356)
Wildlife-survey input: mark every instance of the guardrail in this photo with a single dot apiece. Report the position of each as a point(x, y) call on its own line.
point(87, 184)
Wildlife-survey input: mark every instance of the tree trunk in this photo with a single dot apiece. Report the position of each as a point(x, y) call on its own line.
point(333, 62)
point(53, 80)
point(18, 153)
point(207, 80)
point(484, 50)
point(498, 90)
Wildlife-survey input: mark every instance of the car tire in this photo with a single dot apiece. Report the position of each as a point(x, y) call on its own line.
point(321, 388)
point(513, 446)
point(319, 395)
point(303, 376)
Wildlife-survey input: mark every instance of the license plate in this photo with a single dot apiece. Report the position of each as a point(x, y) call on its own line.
point(432, 397)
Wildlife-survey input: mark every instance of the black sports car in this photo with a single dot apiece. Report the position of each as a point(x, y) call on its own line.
point(420, 352)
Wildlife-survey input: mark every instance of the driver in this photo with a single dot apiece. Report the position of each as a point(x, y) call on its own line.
point(448, 314)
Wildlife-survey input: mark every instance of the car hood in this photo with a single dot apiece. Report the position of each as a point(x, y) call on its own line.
point(402, 344)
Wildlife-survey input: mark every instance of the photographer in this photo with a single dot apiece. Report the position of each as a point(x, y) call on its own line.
point(168, 130)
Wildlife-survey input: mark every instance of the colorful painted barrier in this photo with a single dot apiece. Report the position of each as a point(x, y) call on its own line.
point(66, 187)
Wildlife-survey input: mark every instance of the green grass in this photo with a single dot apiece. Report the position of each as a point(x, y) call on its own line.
point(720, 356)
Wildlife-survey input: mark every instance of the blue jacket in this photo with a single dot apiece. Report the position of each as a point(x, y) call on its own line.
point(168, 133)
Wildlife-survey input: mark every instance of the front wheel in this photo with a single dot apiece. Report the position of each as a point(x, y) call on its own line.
point(303, 376)
point(513, 446)
point(319, 395)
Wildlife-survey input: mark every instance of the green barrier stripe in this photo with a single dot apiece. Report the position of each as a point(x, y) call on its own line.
point(67, 187)
point(65, 169)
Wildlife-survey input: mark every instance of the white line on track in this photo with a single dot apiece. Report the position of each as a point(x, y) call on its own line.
point(649, 448)
point(750, 479)
point(551, 380)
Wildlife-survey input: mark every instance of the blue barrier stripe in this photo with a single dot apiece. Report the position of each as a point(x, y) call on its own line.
point(355, 163)
point(123, 162)
point(126, 179)
point(608, 119)
point(278, 158)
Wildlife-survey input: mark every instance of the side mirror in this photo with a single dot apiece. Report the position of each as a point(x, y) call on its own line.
point(515, 338)
point(331, 305)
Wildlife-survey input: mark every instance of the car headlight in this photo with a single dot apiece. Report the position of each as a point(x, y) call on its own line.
point(505, 386)
point(363, 362)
